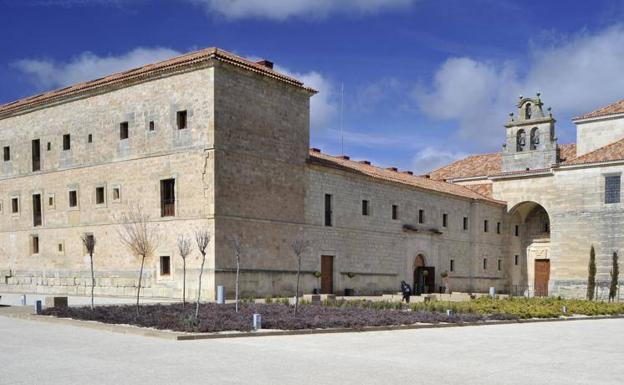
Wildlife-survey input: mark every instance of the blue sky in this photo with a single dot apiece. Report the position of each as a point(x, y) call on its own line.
point(425, 81)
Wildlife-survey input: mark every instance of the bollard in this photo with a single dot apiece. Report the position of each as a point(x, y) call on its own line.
point(23, 300)
point(257, 321)
point(38, 306)
point(220, 295)
point(492, 292)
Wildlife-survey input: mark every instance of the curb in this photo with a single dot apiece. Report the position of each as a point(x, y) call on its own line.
point(180, 336)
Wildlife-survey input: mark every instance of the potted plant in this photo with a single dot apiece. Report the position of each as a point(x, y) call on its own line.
point(348, 291)
point(317, 275)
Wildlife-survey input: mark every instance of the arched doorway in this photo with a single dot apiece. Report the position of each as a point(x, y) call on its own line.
point(424, 276)
point(531, 245)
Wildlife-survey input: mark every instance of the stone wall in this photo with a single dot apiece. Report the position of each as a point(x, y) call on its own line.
point(596, 133)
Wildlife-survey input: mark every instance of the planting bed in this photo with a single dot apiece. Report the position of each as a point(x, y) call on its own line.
point(216, 318)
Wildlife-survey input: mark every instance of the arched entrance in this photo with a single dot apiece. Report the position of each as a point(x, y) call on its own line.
point(424, 276)
point(531, 245)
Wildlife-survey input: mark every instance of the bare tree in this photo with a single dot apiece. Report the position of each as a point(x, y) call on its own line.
point(88, 240)
point(139, 237)
point(202, 237)
point(235, 243)
point(184, 248)
point(298, 247)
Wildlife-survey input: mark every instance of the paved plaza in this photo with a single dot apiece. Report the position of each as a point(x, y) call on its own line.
point(577, 352)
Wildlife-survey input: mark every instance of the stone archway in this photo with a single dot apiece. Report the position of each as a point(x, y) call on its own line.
point(424, 276)
point(531, 243)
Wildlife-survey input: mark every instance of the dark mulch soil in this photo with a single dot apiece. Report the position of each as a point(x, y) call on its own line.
point(215, 318)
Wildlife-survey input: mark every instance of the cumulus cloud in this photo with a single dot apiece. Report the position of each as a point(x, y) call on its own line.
point(430, 158)
point(575, 74)
point(46, 74)
point(283, 9)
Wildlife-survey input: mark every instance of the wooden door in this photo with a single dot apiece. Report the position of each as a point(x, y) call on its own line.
point(327, 274)
point(542, 276)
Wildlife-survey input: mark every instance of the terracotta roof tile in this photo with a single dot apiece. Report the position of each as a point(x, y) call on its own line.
point(484, 189)
point(611, 109)
point(610, 152)
point(394, 176)
point(141, 73)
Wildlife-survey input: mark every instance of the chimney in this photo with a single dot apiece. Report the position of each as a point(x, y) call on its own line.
point(345, 157)
point(314, 149)
point(392, 169)
point(408, 172)
point(366, 162)
point(266, 63)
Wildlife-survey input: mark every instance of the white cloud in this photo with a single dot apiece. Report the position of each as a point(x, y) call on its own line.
point(283, 9)
point(47, 74)
point(575, 75)
point(430, 158)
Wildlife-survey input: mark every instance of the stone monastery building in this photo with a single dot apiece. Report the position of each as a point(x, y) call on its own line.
point(210, 140)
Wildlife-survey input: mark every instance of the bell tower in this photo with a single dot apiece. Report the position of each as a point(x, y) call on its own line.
point(530, 137)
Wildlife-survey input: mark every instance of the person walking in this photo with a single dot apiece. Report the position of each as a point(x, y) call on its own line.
point(406, 289)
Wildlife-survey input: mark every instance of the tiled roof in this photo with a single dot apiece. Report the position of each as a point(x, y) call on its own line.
point(141, 73)
point(390, 175)
point(484, 189)
point(487, 164)
point(610, 152)
point(611, 109)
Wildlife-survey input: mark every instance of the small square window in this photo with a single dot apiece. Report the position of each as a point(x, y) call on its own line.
point(516, 260)
point(152, 126)
point(90, 138)
point(421, 216)
point(395, 212)
point(99, 195)
point(51, 200)
point(365, 207)
point(165, 266)
point(181, 120)
point(116, 194)
point(444, 220)
point(15, 205)
point(452, 265)
point(123, 131)
point(465, 223)
point(73, 198)
point(66, 142)
point(34, 244)
point(7, 153)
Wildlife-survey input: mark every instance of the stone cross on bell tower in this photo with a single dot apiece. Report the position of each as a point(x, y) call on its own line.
point(530, 140)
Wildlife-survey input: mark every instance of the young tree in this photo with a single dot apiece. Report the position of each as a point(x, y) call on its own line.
point(615, 275)
point(140, 238)
point(202, 237)
point(184, 248)
point(88, 240)
point(591, 279)
point(235, 243)
point(298, 247)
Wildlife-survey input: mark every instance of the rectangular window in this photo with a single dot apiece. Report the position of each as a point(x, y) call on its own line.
point(452, 265)
point(612, 189)
point(36, 209)
point(99, 195)
point(395, 212)
point(49, 146)
point(73, 198)
point(116, 194)
point(516, 260)
point(90, 241)
point(123, 131)
point(484, 263)
point(499, 264)
point(90, 138)
point(60, 247)
point(465, 223)
point(444, 220)
point(34, 244)
point(516, 230)
point(7, 153)
point(485, 226)
point(167, 198)
point(181, 120)
point(365, 207)
point(328, 210)
point(51, 200)
point(421, 216)
point(498, 227)
point(15, 205)
point(36, 155)
point(152, 127)
point(165, 266)
point(66, 142)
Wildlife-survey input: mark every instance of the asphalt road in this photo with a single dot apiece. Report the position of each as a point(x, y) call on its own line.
point(578, 352)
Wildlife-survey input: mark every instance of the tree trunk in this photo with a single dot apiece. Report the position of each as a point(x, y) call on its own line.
point(201, 272)
point(237, 276)
point(139, 287)
point(184, 282)
point(297, 290)
point(92, 280)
